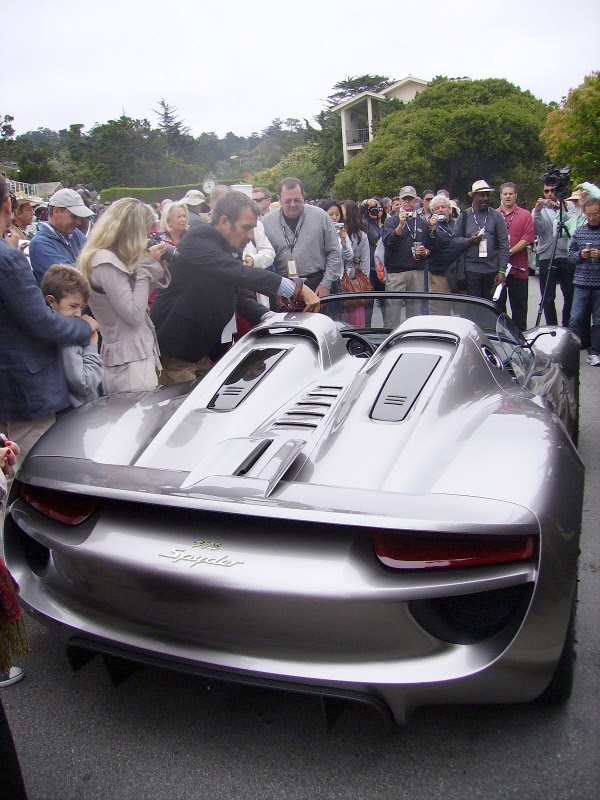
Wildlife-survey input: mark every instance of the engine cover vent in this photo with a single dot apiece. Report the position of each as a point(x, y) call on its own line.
point(308, 412)
point(403, 385)
point(245, 377)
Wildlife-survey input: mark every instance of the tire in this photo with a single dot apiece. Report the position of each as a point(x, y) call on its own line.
point(560, 687)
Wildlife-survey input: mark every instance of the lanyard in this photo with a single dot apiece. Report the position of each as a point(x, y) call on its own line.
point(413, 235)
point(476, 221)
point(506, 216)
point(448, 233)
point(67, 244)
point(291, 244)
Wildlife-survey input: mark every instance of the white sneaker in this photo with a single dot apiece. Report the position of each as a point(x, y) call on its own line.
point(14, 675)
point(593, 360)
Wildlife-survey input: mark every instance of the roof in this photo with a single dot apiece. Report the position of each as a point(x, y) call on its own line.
point(47, 189)
point(379, 95)
point(408, 79)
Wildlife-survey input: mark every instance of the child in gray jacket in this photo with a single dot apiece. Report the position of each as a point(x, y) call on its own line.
point(67, 292)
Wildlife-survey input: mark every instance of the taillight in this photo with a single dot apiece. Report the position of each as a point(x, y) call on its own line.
point(70, 509)
point(446, 551)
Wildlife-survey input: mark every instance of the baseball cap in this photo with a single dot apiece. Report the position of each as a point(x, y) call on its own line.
point(193, 198)
point(73, 202)
point(407, 191)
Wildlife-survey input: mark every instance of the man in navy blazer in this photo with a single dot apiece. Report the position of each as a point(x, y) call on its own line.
point(33, 386)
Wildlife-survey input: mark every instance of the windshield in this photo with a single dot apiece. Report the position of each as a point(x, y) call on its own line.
point(381, 312)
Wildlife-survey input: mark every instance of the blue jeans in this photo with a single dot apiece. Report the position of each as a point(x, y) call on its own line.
point(581, 297)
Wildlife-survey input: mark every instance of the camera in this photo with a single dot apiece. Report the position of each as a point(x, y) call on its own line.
point(440, 217)
point(411, 214)
point(339, 226)
point(170, 251)
point(374, 211)
point(558, 178)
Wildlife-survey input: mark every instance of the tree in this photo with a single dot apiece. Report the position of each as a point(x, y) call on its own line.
point(328, 139)
point(572, 131)
point(124, 152)
point(301, 163)
point(6, 129)
point(174, 132)
point(344, 90)
point(450, 135)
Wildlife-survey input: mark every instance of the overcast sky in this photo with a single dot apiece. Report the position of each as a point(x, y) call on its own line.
point(236, 66)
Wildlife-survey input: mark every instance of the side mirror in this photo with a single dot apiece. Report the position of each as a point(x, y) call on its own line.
point(535, 338)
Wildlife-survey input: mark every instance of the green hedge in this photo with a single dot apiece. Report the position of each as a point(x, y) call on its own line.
point(153, 194)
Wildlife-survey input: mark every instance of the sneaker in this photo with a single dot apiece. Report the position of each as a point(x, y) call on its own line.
point(593, 360)
point(14, 675)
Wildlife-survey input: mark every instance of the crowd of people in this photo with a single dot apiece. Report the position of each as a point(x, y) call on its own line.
point(167, 287)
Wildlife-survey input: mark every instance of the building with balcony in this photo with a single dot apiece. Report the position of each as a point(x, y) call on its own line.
point(359, 113)
point(20, 188)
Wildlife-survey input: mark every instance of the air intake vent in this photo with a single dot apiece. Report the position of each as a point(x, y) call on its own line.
point(403, 385)
point(308, 412)
point(245, 377)
point(393, 400)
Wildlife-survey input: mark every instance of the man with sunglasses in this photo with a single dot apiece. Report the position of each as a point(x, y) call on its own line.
point(262, 198)
point(546, 214)
point(426, 199)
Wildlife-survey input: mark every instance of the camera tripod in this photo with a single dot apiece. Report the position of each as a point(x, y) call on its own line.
point(560, 229)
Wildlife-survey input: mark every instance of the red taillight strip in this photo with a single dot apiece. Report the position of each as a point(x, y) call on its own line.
point(403, 551)
point(70, 509)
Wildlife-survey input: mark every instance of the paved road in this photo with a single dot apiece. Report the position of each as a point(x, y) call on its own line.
point(165, 736)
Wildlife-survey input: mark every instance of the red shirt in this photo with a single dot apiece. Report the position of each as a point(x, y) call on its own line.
point(519, 224)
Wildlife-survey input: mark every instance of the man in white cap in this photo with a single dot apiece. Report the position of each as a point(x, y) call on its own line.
point(481, 232)
point(197, 207)
point(407, 244)
point(59, 241)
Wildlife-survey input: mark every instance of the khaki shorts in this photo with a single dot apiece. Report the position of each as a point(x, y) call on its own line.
point(177, 371)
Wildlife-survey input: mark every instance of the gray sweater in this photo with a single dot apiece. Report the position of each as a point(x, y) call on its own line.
point(83, 370)
point(317, 247)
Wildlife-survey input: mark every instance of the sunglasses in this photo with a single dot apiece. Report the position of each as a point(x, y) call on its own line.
point(549, 191)
point(259, 199)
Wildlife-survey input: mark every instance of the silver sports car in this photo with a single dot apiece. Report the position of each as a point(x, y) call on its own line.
point(379, 503)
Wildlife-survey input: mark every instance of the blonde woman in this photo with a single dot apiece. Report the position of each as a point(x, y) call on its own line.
point(174, 222)
point(122, 271)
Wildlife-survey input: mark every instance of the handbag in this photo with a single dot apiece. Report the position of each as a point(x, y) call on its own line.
point(359, 283)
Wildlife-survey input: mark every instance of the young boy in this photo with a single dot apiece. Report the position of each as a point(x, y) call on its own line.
point(66, 292)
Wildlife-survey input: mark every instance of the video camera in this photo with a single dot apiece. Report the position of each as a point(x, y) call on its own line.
point(558, 178)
